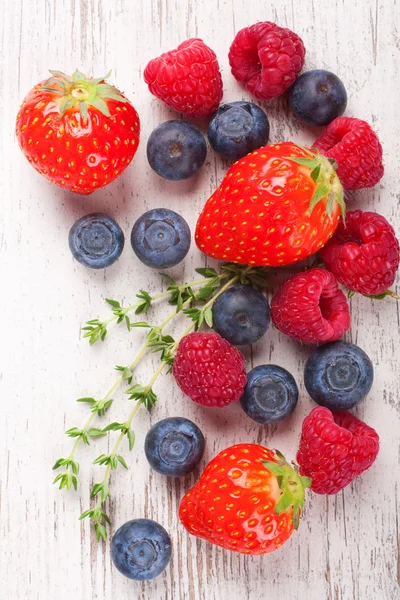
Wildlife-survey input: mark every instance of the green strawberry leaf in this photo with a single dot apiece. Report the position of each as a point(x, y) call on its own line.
point(329, 205)
point(291, 485)
point(78, 76)
point(100, 79)
point(100, 105)
point(273, 467)
point(306, 481)
point(315, 173)
point(285, 501)
point(320, 192)
point(313, 163)
point(60, 74)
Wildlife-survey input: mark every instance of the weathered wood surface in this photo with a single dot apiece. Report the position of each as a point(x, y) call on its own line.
point(348, 545)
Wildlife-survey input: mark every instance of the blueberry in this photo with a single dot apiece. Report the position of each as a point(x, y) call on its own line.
point(96, 240)
point(176, 150)
point(338, 375)
point(270, 394)
point(141, 549)
point(318, 97)
point(174, 446)
point(241, 315)
point(238, 128)
point(160, 238)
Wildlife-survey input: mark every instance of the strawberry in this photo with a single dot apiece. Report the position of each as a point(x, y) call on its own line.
point(274, 207)
point(248, 499)
point(80, 133)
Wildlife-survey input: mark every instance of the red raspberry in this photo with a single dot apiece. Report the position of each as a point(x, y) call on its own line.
point(357, 150)
point(363, 253)
point(266, 58)
point(311, 308)
point(188, 79)
point(209, 369)
point(335, 448)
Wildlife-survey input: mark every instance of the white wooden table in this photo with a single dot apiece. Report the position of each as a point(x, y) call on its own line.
point(348, 546)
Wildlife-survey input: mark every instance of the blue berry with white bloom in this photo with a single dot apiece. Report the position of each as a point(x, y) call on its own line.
point(174, 446)
point(270, 395)
point(241, 315)
point(141, 549)
point(238, 128)
point(318, 97)
point(338, 375)
point(96, 240)
point(176, 150)
point(160, 238)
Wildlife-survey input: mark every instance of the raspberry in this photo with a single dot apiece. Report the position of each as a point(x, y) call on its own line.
point(363, 253)
point(335, 448)
point(266, 58)
point(209, 369)
point(357, 150)
point(311, 308)
point(188, 79)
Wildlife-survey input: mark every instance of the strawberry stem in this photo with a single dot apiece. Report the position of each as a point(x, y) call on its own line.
point(327, 182)
point(97, 330)
point(81, 92)
point(292, 486)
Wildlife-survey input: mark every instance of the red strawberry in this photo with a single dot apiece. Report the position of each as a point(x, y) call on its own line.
point(310, 307)
point(274, 207)
point(335, 448)
point(364, 253)
point(357, 150)
point(266, 58)
point(209, 369)
point(188, 79)
point(248, 499)
point(80, 133)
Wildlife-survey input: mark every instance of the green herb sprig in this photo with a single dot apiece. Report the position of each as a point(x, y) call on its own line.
point(96, 329)
point(185, 300)
point(69, 479)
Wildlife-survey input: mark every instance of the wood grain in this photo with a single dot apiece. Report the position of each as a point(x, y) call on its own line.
point(348, 545)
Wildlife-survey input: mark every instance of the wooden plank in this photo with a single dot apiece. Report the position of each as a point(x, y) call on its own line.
point(348, 546)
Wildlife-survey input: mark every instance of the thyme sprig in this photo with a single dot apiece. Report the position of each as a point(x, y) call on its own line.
point(186, 301)
point(143, 395)
point(98, 408)
point(96, 329)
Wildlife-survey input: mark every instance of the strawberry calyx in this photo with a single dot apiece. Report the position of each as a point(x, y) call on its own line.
point(80, 91)
point(328, 185)
point(291, 484)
